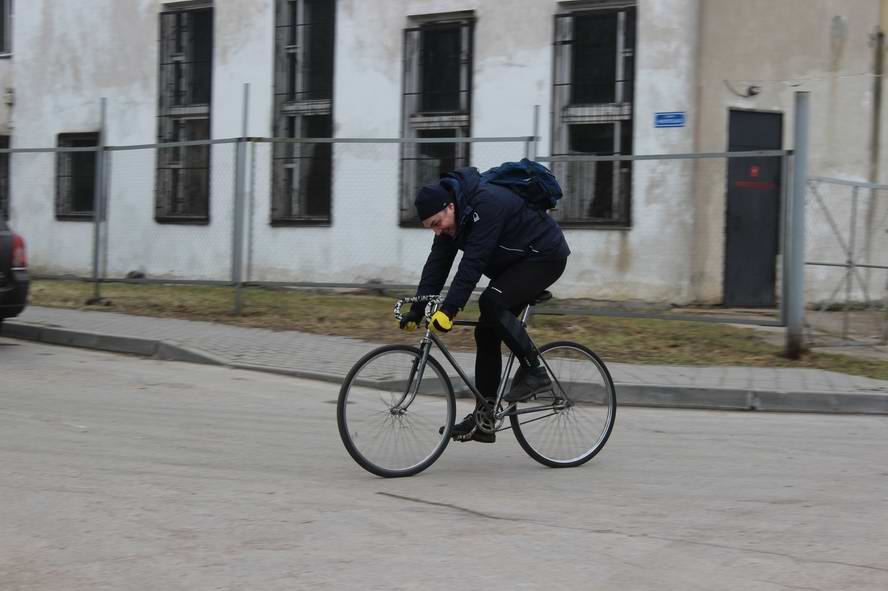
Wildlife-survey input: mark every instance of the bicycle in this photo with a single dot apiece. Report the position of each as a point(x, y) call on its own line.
point(395, 416)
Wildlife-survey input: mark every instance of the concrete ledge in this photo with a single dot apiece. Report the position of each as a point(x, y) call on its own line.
point(171, 352)
point(83, 339)
point(88, 340)
point(824, 402)
point(293, 373)
point(648, 395)
point(16, 330)
point(683, 397)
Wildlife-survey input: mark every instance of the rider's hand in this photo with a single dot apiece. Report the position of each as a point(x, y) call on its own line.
point(441, 321)
point(411, 320)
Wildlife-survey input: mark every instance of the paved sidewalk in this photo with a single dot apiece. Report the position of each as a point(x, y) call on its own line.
point(329, 358)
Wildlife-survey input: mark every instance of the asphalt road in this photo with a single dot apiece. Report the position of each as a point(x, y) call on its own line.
point(123, 473)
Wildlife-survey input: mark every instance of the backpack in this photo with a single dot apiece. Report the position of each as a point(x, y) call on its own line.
point(531, 180)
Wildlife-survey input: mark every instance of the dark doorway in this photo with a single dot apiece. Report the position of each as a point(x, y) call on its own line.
point(752, 228)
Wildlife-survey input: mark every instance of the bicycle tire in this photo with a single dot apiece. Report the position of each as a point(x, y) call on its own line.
point(582, 377)
point(381, 391)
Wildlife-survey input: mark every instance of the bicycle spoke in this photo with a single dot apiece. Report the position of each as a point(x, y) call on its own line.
point(387, 428)
point(583, 406)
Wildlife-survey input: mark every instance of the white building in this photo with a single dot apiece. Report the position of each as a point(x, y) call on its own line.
point(600, 71)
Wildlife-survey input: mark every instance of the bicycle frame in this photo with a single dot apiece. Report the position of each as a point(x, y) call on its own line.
point(431, 338)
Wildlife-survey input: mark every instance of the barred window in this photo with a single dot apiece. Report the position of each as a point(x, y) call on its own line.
point(4, 178)
point(435, 160)
point(186, 62)
point(303, 108)
point(593, 100)
point(76, 176)
point(6, 14)
point(437, 102)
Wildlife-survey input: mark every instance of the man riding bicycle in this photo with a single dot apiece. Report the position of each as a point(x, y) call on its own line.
point(521, 249)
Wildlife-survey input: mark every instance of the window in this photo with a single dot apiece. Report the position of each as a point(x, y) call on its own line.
point(303, 108)
point(6, 14)
point(437, 102)
point(76, 176)
point(4, 178)
point(186, 65)
point(435, 160)
point(593, 106)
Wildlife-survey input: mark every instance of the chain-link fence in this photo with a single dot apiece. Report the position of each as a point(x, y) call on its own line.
point(52, 206)
point(170, 213)
point(707, 228)
point(846, 262)
point(235, 211)
point(338, 212)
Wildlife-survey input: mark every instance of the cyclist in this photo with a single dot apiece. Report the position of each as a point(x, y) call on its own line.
point(522, 250)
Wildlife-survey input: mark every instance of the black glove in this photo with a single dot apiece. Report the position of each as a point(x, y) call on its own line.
point(411, 320)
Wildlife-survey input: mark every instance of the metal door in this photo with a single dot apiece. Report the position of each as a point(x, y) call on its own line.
point(752, 228)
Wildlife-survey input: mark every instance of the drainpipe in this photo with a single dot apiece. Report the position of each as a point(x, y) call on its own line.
point(878, 68)
point(876, 142)
point(879, 64)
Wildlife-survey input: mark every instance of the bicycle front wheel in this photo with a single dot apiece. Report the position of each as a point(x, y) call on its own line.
point(388, 426)
point(572, 422)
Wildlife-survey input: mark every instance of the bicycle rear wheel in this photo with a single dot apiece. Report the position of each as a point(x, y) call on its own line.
point(385, 428)
point(582, 408)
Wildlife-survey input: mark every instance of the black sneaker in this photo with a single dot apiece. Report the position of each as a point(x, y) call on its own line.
point(528, 382)
point(466, 431)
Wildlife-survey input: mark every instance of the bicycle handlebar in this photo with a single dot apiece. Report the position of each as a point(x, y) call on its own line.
point(431, 306)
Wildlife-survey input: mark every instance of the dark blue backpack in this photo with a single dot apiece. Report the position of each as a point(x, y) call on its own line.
point(531, 180)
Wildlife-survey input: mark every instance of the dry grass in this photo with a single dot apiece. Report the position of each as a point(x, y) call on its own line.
point(369, 316)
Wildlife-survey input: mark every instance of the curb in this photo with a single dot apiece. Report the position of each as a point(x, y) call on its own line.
point(643, 395)
point(766, 401)
point(151, 348)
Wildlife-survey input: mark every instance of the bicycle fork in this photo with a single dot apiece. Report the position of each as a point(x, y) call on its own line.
point(414, 381)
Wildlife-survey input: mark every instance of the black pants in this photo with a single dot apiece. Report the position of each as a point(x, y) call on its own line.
point(501, 303)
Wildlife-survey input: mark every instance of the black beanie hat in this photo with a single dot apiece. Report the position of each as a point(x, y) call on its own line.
point(430, 199)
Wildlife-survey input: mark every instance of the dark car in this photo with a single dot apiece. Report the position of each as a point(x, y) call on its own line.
point(14, 279)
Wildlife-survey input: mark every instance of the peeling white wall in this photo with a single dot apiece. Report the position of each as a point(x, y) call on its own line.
point(64, 64)
point(651, 260)
point(823, 47)
point(68, 55)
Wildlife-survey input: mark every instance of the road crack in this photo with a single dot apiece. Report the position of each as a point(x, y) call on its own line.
point(449, 506)
point(474, 513)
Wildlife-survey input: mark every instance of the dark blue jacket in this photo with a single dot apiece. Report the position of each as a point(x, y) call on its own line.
point(495, 230)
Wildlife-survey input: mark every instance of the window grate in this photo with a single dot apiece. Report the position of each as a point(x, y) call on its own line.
point(4, 178)
point(593, 93)
point(303, 104)
point(437, 102)
point(183, 173)
point(76, 177)
point(6, 18)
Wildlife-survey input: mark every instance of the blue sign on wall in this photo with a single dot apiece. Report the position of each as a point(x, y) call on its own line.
point(670, 119)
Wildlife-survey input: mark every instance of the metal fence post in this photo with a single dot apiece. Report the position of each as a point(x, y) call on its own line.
point(107, 168)
point(785, 196)
point(850, 266)
point(237, 245)
point(98, 204)
point(884, 340)
point(251, 210)
point(795, 310)
point(531, 147)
